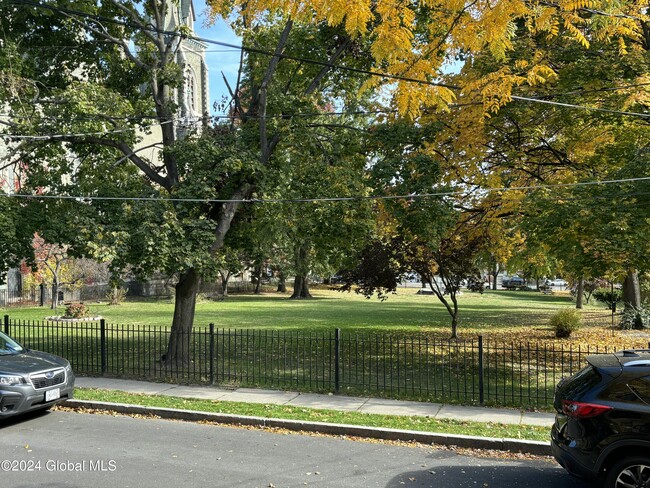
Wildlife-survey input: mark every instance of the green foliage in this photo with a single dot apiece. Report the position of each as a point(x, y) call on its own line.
point(565, 322)
point(634, 318)
point(608, 297)
point(15, 239)
point(76, 311)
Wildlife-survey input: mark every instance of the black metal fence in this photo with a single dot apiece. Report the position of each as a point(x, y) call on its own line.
point(160, 289)
point(409, 366)
point(12, 297)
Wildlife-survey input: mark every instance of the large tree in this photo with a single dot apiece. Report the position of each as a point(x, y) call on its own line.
point(108, 91)
point(172, 214)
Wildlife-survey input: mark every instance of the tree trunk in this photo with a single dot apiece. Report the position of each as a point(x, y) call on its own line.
point(454, 326)
point(282, 283)
point(453, 310)
point(224, 283)
point(495, 274)
point(301, 288)
point(258, 280)
point(632, 290)
point(55, 295)
point(454, 316)
point(178, 350)
point(580, 292)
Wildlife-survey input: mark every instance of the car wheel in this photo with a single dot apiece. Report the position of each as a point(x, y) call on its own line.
point(632, 472)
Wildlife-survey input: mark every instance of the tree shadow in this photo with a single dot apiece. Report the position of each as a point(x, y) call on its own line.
point(489, 473)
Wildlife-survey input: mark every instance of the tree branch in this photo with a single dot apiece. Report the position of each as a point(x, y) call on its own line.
point(261, 99)
point(129, 153)
point(325, 69)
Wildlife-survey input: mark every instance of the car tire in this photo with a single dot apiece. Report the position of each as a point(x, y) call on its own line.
point(631, 471)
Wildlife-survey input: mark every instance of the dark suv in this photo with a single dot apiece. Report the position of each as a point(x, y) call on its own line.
point(602, 426)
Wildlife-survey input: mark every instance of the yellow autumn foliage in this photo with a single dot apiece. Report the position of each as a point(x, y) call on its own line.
point(424, 35)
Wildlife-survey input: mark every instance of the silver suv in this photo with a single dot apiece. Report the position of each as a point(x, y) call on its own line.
point(31, 380)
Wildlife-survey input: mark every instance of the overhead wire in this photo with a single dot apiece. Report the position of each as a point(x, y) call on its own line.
point(319, 199)
point(151, 28)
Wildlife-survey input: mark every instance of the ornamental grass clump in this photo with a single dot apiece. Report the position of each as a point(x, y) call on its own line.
point(565, 322)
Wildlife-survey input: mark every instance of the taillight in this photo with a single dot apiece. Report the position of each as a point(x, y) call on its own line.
point(582, 410)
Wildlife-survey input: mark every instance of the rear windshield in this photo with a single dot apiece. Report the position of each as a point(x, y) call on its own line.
point(8, 346)
point(581, 382)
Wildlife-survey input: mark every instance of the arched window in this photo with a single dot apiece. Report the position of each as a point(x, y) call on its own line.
point(190, 87)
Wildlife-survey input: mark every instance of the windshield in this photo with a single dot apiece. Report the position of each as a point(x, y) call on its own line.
point(8, 346)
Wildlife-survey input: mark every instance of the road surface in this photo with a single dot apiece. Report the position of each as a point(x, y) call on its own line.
point(67, 449)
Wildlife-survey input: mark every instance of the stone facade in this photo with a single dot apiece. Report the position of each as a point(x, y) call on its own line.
point(194, 97)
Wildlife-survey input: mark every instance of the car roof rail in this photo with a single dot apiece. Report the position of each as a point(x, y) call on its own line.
point(627, 353)
point(641, 362)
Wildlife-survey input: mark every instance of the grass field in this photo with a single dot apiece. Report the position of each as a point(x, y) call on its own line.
point(396, 348)
point(493, 313)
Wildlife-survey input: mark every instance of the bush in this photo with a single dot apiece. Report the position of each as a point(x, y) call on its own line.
point(635, 318)
point(565, 322)
point(116, 296)
point(76, 311)
point(608, 297)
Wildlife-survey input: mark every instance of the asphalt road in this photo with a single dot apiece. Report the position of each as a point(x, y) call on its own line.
point(66, 449)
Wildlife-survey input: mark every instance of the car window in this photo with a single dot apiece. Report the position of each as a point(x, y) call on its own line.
point(641, 387)
point(576, 386)
point(8, 345)
point(621, 392)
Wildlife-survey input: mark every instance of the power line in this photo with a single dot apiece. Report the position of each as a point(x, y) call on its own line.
point(154, 29)
point(90, 198)
point(584, 107)
point(284, 115)
point(61, 136)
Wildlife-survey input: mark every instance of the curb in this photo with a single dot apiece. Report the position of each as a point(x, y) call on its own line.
point(467, 441)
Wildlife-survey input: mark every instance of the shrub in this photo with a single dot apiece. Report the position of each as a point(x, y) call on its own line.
point(76, 311)
point(565, 322)
point(116, 296)
point(608, 297)
point(634, 318)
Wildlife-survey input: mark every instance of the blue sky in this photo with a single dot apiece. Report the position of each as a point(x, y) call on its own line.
point(219, 59)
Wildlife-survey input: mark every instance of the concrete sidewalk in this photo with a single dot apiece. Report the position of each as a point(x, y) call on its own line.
point(330, 402)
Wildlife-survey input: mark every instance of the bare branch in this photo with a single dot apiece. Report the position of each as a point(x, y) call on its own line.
point(261, 99)
point(103, 33)
point(136, 19)
point(325, 69)
point(129, 153)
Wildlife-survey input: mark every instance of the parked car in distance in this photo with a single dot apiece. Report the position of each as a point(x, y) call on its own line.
point(557, 282)
point(31, 380)
point(513, 282)
point(602, 425)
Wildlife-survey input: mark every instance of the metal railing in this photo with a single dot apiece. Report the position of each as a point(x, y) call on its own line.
point(10, 297)
point(410, 366)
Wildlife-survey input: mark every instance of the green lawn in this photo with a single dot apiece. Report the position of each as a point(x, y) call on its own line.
point(405, 311)
point(397, 348)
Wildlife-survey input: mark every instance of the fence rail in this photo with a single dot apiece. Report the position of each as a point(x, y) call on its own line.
point(11, 297)
point(413, 366)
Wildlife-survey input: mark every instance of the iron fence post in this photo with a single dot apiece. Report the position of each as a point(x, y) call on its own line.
point(6, 321)
point(481, 392)
point(337, 360)
point(102, 345)
point(212, 354)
